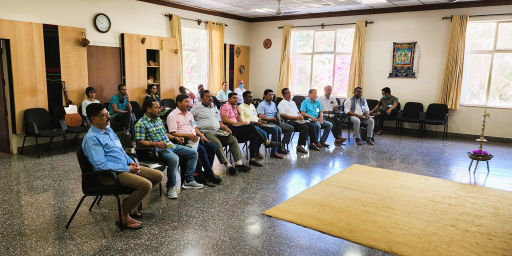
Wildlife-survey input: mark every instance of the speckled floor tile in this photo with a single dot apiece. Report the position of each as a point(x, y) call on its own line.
point(39, 195)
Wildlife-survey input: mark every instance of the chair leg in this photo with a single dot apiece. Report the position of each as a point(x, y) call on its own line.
point(93, 202)
point(49, 146)
point(160, 189)
point(119, 210)
point(76, 210)
point(65, 142)
point(37, 148)
point(23, 146)
point(99, 199)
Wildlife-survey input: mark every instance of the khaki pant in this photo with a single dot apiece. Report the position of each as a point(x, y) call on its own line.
point(226, 140)
point(142, 182)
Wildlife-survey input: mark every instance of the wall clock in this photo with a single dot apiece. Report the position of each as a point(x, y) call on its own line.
point(267, 43)
point(102, 22)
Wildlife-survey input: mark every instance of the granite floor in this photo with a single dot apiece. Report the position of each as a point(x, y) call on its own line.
point(39, 195)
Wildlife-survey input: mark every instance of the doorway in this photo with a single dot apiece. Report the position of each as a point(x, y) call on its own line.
point(5, 142)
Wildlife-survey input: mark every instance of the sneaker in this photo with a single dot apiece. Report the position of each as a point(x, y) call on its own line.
point(213, 179)
point(242, 168)
point(255, 163)
point(192, 185)
point(232, 170)
point(171, 193)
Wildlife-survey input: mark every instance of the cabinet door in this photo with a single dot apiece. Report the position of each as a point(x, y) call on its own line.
point(168, 69)
point(152, 42)
point(135, 67)
point(243, 59)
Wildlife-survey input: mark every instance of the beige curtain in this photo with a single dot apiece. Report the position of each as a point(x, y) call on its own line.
point(453, 65)
point(176, 33)
point(285, 70)
point(215, 56)
point(355, 78)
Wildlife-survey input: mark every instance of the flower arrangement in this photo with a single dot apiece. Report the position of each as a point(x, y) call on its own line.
point(480, 152)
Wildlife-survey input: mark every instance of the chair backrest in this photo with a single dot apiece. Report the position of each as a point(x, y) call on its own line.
point(126, 142)
point(85, 167)
point(170, 103)
point(136, 109)
point(278, 100)
point(215, 102)
point(256, 102)
point(412, 109)
point(436, 111)
point(39, 116)
point(298, 99)
point(372, 104)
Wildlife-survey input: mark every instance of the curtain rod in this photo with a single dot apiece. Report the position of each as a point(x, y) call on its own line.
point(325, 25)
point(483, 15)
point(196, 20)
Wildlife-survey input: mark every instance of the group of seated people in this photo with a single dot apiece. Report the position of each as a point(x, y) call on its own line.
point(197, 132)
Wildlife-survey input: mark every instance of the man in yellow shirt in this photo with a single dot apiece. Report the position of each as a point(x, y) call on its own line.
point(248, 114)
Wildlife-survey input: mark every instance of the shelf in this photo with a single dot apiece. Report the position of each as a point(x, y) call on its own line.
point(154, 83)
point(153, 66)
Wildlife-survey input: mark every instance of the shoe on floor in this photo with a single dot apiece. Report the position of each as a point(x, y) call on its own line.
point(232, 170)
point(300, 149)
point(213, 178)
point(324, 144)
point(379, 132)
point(258, 155)
point(242, 168)
point(171, 193)
point(273, 144)
point(276, 155)
point(192, 185)
point(358, 142)
point(313, 147)
point(282, 151)
point(369, 142)
point(255, 163)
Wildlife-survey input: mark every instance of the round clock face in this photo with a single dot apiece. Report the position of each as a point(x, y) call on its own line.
point(102, 23)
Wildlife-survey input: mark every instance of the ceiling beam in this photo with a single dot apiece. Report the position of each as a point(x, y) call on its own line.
point(413, 8)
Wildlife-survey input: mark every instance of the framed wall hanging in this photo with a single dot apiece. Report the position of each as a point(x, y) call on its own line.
point(267, 43)
point(404, 59)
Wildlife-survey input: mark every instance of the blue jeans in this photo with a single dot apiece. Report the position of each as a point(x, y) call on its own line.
point(171, 157)
point(263, 133)
point(206, 153)
point(276, 135)
point(327, 126)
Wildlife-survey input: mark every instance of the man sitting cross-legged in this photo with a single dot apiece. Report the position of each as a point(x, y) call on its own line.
point(181, 123)
point(329, 106)
point(267, 111)
point(104, 151)
point(208, 122)
point(244, 130)
point(150, 132)
point(312, 109)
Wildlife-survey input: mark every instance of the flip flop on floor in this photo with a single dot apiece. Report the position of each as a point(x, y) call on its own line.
point(126, 227)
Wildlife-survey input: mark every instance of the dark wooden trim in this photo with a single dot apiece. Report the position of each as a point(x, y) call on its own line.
point(414, 8)
point(197, 9)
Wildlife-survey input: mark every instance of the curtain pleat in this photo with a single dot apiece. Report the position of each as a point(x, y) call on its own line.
point(357, 63)
point(285, 68)
point(215, 56)
point(176, 33)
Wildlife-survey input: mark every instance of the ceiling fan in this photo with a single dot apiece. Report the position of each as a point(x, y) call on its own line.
point(279, 13)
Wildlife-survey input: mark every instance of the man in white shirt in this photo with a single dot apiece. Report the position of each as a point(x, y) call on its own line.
point(356, 108)
point(290, 114)
point(329, 105)
point(240, 92)
point(222, 95)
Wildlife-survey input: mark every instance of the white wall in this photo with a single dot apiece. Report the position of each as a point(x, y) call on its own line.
point(126, 16)
point(427, 28)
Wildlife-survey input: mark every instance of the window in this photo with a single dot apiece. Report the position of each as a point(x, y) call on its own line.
point(488, 64)
point(321, 58)
point(195, 58)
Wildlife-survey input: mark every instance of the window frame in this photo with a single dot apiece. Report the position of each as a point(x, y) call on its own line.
point(312, 54)
point(198, 51)
point(489, 80)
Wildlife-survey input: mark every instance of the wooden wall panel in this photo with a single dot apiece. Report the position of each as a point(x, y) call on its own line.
point(169, 82)
point(153, 42)
point(73, 62)
point(243, 59)
point(104, 68)
point(135, 66)
point(40, 65)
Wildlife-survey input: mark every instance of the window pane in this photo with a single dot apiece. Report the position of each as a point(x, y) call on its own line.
point(341, 72)
point(324, 41)
point(478, 66)
point(303, 41)
point(501, 83)
point(345, 40)
point(301, 74)
point(191, 38)
point(480, 36)
point(504, 36)
point(191, 69)
point(322, 71)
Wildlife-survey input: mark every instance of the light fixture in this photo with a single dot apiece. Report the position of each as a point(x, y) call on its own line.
point(372, 1)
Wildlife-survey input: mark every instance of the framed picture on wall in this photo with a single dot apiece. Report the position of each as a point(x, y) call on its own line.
point(404, 60)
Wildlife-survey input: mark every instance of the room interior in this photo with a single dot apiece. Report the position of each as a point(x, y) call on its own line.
point(226, 219)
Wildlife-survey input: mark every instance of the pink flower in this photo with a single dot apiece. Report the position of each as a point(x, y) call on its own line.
point(480, 152)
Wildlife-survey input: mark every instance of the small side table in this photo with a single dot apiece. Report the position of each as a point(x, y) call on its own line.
point(479, 158)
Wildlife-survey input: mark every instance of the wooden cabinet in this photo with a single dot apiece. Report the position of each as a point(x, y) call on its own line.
point(234, 63)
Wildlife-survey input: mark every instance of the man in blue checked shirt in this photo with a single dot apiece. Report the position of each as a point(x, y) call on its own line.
point(312, 109)
point(267, 111)
point(104, 151)
point(150, 132)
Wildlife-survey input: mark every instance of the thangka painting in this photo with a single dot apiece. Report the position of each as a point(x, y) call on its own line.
point(403, 60)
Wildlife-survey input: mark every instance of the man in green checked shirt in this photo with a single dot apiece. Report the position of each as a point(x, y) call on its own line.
point(150, 132)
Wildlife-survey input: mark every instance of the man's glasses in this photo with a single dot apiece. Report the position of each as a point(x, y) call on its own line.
point(106, 115)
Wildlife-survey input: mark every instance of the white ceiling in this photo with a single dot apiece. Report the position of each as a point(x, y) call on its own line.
point(266, 8)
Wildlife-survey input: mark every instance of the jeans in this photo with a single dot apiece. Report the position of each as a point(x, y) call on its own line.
point(206, 152)
point(171, 157)
point(337, 124)
point(276, 134)
point(327, 126)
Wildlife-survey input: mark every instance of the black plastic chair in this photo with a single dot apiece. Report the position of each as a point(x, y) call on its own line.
point(137, 110)
point(38, 123)
point(298, 99)
point(372, 104)
point(216, 102)
point(91, 186)
point(256, 102)
point(437, 114)
point(170, 103)
point(278, 100)
point(410, 114)
point(78, 129)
